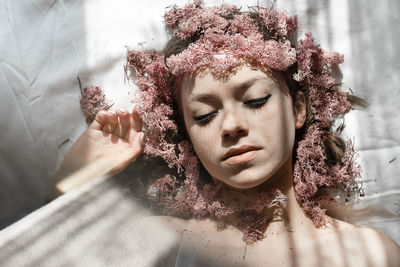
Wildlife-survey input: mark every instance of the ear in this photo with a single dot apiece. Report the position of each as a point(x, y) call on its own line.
point(300, 109)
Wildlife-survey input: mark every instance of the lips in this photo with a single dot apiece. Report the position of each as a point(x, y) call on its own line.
point(240, 155)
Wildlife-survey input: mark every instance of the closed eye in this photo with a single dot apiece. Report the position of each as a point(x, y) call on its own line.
point(204, 119)
point(257, 102)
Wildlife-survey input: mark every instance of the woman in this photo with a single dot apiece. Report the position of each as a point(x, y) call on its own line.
point(258, 111)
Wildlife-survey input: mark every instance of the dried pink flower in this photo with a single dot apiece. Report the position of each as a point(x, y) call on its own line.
point(93, 100)
point(277, 22)
point(235, 49)
point(223, 39)
point(244, 25)
point(192, 19)
point(312, 171)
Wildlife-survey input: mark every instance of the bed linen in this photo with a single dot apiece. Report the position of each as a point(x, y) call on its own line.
point(46, 45)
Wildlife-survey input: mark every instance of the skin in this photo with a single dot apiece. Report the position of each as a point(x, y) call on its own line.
point(107, 147)
point(267, 125)
point(270, 128)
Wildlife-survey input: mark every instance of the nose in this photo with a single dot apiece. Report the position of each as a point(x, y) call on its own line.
point(234, 125)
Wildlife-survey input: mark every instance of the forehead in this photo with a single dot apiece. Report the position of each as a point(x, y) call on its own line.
point(204, 82)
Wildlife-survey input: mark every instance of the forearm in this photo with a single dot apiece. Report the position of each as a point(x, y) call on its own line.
point(66, 180)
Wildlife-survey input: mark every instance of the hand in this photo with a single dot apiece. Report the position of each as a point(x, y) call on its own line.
point(113, 139)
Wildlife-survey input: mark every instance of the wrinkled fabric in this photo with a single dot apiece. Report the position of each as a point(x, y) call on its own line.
point(45, 45)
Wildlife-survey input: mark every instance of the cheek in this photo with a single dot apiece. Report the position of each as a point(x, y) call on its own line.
point(202, 140)
point(279, 126)
point(205, 146)
point(288, 124)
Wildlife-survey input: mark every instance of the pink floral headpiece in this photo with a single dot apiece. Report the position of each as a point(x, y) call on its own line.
point(224, 30)
point(213, 31)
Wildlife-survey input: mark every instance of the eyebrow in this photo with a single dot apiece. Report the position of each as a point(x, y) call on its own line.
point(236, 89)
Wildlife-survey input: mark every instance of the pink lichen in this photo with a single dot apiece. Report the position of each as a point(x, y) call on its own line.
point(244, 25)
point(225, 38)
point(191, 19)
point(278, 23)
point(252, 220)
point(312, 171)
point(236, 48)
point(93, 100)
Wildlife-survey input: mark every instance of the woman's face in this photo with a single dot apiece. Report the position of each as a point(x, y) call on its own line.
point(242, 128)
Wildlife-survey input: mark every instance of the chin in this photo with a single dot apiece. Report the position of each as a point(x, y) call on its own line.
point(244, 181)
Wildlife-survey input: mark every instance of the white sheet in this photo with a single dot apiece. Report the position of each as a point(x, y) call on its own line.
point(46, 44)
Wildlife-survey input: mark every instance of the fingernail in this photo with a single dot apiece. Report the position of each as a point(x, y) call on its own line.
point(121, 110)
point(112, 112)
point(141, 138)
point(136, 106)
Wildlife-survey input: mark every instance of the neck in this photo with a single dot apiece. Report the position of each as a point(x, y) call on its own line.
point(293, 216)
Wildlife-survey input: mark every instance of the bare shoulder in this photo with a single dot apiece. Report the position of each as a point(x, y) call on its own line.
point(377, 249)
point(383, 242)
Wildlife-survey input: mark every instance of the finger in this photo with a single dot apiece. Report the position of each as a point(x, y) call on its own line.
point(136, 120)
point(124, 122)
point(99, 121)
point(111, 122)
point(131, 136)
point(137, 147)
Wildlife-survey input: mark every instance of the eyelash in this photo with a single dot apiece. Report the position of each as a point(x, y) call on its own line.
point(253, 103)
point(204, 119)
point(258, 102)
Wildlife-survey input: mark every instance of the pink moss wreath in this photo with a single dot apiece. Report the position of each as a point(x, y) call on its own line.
point(224, 29)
